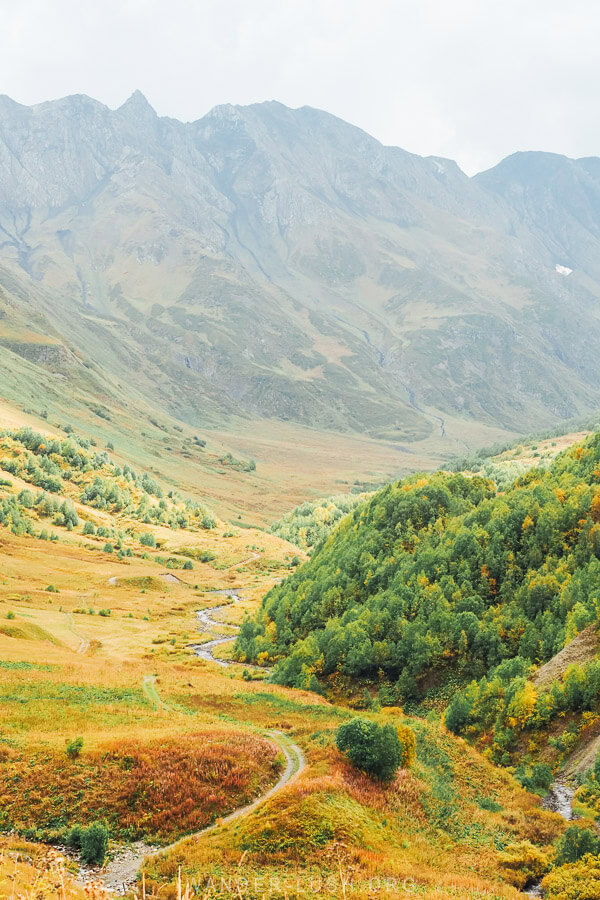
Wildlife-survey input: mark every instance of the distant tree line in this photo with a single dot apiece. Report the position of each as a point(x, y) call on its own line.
point(310, 523)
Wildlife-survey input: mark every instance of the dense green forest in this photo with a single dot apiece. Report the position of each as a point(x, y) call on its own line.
point(441, 574)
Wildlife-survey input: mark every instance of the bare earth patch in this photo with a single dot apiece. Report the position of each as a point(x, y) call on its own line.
point(581, 649)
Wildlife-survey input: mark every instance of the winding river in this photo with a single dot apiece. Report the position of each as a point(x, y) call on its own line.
point(208, 623)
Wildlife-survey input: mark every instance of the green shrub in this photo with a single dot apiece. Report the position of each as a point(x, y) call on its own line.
point(188, 564)
point(74, 747)
point(387, 696)
point(10, 615)
point(366, 701)
point(575, 843)
point(206, 556)
point(147, 539)
point(92, 842)
point(26, 498)
point(375, 749)
point(74, 837)
point(458, 714)
point(537, 780)
point(52, 590)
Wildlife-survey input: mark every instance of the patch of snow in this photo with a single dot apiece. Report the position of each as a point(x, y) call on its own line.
point(562, 270)
point(439, 166)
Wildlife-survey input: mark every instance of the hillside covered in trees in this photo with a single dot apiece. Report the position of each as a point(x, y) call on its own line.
point(442, 575)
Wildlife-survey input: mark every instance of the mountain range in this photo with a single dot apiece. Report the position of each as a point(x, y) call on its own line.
point(278, 263)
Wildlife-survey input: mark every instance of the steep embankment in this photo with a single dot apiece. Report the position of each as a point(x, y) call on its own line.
point(583, 648)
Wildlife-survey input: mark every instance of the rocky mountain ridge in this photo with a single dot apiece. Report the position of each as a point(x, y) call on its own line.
point(271, 262)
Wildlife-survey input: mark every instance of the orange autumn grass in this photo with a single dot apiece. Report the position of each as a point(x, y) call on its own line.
point(161, 789)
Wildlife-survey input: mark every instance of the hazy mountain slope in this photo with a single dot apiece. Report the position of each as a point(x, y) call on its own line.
point(278, 262)
point(558, 199)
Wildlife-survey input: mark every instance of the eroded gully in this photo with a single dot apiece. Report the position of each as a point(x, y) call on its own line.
point(559, 800)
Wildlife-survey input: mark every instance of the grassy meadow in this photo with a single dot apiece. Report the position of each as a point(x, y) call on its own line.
point(293, 462)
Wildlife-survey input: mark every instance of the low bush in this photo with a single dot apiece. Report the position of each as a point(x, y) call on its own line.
point(537, 779)
point(575, 843)
point(375, 749)
point(74, 747)
point(574, 881)
point(524, 862)
point(92, 842)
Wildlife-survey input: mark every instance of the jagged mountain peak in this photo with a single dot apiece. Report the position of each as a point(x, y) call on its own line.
point(137, 105)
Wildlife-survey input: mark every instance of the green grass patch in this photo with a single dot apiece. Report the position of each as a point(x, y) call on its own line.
point(20, 666)
point(28, 631)
point(77, 694)
point(284, 704)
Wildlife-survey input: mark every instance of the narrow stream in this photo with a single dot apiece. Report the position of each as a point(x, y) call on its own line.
point(209, 624)
point(213, 626)
point(560, 800)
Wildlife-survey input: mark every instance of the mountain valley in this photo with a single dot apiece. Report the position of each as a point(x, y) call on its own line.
point(299, 512)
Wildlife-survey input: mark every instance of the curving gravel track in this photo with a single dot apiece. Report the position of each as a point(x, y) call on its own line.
point(120, 873)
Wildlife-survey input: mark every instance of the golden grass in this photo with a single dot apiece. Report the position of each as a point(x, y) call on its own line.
point(28, 872)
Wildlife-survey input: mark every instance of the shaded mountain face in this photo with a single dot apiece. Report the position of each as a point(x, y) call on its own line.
point(274, 262)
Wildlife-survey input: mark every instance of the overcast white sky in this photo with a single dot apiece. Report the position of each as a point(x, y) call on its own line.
point(474, 80)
